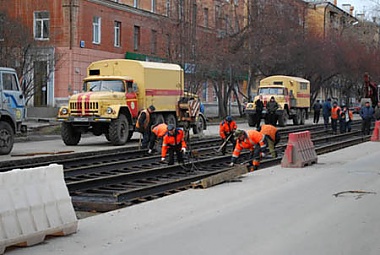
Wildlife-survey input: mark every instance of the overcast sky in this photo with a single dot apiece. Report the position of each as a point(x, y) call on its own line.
point(366, 6)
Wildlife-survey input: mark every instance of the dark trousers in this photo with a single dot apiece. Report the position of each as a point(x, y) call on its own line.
point(342, 126)
point(146, 138)
point(272, 119)
point(366, 125)
point(316, 117)
point(326, 121)
point(258, 119)
point(334, 125)
point(177, 150)
point(231, 140)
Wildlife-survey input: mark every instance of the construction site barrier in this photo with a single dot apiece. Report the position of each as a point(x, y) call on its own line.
point(35, 203)
point(299, 151)
point(376, 132)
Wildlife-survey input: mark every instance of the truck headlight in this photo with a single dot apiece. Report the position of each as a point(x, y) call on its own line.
point(64, 111)
point(109, 110)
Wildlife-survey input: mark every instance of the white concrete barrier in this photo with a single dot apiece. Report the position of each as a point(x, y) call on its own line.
point(35, 203)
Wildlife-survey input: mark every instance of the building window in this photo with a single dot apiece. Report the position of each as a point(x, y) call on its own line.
point(154, 6)
point(168, 8)
point(205, 16)
point(136, 3)
point(96, 29)
point(117, 29)
point(180, 10)
point(136, 37)
point(168, 43)
point(41, 25)
point(153, 45)
point(2, 21)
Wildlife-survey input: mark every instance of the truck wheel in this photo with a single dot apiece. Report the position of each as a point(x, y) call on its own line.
point(283, 119)
point(199, 126)
point(171, 119)
point(297, 117)
point(119, 130)
point(6, 138)
point(251, 120)
point(69, 135)
point(303, 117)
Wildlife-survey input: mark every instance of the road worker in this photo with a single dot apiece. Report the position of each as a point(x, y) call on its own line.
point(173, 142)
point(158, 132)
point(273, 137)
point(346, 117)
point(226, 131)
point(335, 113)
point(252, 140)
point(272, 107)
point(144, 124)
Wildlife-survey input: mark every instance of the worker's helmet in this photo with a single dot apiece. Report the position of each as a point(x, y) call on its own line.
point(170, 127)
point(152, 108)
point(239, 132)
point(228, 118)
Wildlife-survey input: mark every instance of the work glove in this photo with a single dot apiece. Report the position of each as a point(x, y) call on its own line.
point(262, 154)
point(150, 151)
point(232, 164)
point(183, 150)
point(162, 160)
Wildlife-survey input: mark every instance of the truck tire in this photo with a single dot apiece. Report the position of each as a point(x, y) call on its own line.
point(171, 119)
point(69, 135)
point(119, 130)
point(199, 126)
point(283, 119)
point(6, 138)
point(251, 120)
point(303, 117)
point(297, 117)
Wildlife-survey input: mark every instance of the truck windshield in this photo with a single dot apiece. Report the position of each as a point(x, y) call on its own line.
point(104, 85)
point(271, 91)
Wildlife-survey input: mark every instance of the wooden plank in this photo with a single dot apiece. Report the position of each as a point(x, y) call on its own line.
point(227, 175)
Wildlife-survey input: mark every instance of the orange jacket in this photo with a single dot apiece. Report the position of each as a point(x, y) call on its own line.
point(269, 131)
point(253, 137)
point(335, 113)
point(226, 128)
point(173, 140)
point(160, 130)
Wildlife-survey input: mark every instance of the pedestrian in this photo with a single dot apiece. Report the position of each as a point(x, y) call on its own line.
point(158, 132)
point(317, 110)
point(345, 120)
point(173, 142)
point(252, 140)
point(377, 111)
point(366, 113)
point(335, 113)
point(226, 131)
point(259, 106)
point(272, 107)
point(273, 137)
point(144, 125)
point(326, 112)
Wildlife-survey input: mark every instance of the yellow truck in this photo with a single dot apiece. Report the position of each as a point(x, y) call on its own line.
point(292, 95)
point(114, 93)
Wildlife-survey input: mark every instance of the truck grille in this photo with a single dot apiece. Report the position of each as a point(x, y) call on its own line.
point(88, 107)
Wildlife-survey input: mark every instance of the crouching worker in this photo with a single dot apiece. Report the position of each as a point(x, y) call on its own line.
point(273, 137)
point(173, 142)
point(158, 132)
point(252, 140)
point(226, 130)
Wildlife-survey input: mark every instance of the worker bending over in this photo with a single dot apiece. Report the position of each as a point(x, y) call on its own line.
point(273, 137)
point(252, 140)
point(226, 131)
point(158, 132)
point(173, 142)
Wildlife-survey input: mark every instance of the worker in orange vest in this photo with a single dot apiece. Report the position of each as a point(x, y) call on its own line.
point(144, 124)
point(252, 140)
point(173, 142)
point(226, 131)
point(346, 117)
point(335, 113)
point(158, 132)
point(273, 137)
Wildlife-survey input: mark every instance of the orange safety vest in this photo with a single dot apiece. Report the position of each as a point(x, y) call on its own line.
point(160, 130)
point(147, 119)
point(226, 128)
point(350, 115)
point(253, 137)
point(269, 131)
point(173, 140)
point(334, 113)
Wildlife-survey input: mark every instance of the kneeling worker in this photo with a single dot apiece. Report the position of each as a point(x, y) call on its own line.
point(158, 132)
point(226, 131)
point(273, 137)
point(252, 140)
point(174, 142)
